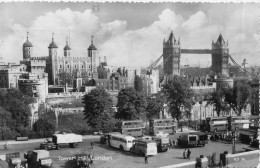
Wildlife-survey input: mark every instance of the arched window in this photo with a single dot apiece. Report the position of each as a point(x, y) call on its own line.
point(60, 66)
point(89, 66)
point(75, 66)
point(82, 66)
point(68, 66)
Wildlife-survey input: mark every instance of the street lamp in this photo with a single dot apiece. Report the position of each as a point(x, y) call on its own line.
point(200, 102)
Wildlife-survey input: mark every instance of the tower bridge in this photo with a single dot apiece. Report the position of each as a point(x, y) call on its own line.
point(172, 54)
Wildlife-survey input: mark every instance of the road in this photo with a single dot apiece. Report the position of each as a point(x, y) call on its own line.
point(110, 157)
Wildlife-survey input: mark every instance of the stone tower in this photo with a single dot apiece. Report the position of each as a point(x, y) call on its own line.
point(171, 56)
point(27, 49)
point(67, 49)
point(51, 63)
point(220, 57)
point(92, 54)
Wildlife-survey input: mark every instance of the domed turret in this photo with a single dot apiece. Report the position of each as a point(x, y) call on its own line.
point(92, 46)
point(53, 44)
point(27, 49)
point(67, 49)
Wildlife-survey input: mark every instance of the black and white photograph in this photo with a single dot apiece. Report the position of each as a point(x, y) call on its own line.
point(91, 84)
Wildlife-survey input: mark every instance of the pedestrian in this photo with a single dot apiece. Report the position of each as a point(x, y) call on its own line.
point(146, 158)
point(188, 153)
point(185, 153)
point(91, 144)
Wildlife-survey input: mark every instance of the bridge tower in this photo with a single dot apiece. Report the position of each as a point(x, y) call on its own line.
point(220, 56)
point(171, 56)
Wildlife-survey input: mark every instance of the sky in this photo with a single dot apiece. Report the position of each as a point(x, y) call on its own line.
point(130, 34)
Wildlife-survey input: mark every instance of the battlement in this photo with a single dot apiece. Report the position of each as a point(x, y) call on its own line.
point(73, 58)
point(31, 81)
point(39, 58)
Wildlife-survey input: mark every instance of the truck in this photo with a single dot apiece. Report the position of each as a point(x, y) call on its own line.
point(59, 140)
point(187, 140)
point(38, 159)
point(163, 141)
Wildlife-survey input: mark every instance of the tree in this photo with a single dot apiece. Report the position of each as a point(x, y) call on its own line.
point(179, 96)
point(43, 128)
point(239, 96)
point(66, 77)
point(155, 105)
point(17, 104)
point(131, 104)
point(217, 99)
point(98, 108)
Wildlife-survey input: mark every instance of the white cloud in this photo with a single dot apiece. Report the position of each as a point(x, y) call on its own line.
point(138, 47)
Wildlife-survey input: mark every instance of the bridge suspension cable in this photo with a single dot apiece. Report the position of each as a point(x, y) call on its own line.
point(240, 68)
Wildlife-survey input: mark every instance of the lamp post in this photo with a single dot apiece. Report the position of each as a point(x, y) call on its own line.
point(200, 102)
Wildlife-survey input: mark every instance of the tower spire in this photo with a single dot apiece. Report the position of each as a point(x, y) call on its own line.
point(27, 36)
point(92, 39)
point(67, 40)
point(52, 37)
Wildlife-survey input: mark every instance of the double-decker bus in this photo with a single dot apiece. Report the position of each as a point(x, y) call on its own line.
point(120, 141)
point(162, 125)
point(216, 124)
point(240, 122)
point(144, 147)
point(131, 127)
point(163, 141)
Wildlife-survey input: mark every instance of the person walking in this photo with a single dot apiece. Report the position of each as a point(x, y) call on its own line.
point(188, 153)
point(91, 144)
point(146, 158)
point(185, 153)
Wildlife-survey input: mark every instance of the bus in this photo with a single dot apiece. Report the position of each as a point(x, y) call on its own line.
point(240, 122)
point(120, 141)
point(144, 147)
point(162, 125)
point(163, 141)
point(216, 124)
point(133, 128)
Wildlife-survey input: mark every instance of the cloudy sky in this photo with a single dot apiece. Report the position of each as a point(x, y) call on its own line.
point(130, 34)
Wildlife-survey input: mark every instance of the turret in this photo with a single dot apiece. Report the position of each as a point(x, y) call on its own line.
point(27, 49)
point(92, 53)
point(171, 56)
point(53, 48)
point(67, 49)
point(220, 57)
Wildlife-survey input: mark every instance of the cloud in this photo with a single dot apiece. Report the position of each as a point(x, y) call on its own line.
point(138, 47)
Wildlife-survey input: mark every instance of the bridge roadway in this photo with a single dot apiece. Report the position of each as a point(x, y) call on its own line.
point(199, 51)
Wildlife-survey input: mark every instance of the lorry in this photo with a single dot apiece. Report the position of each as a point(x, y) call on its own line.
point(59, 140)
point(38, 159)
point(192, 139)
point(163, 141)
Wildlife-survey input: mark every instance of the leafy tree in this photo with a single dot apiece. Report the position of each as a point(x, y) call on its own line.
point(179, 96)
point(43, 128)
point(17, 104)
point(98, 108)
point(66, 77)
point(217, 99)
point(131, 104)
point(155, 105)
point(240, 95)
